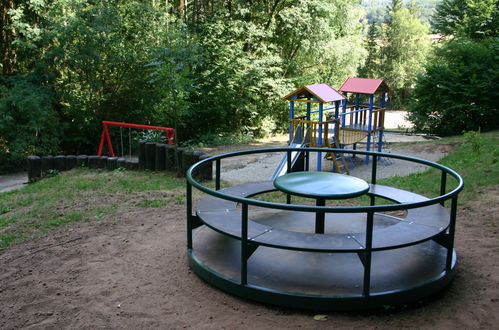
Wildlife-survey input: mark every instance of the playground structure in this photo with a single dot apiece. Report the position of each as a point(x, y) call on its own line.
point(325, 257)
point(359, 121)
point(346, 123)
point(106, 138)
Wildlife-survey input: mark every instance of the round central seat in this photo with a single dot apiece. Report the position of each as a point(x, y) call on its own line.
point(321, 185)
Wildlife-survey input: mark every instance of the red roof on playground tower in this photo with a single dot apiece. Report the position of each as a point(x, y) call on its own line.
point(322, 92)
point(364, 86)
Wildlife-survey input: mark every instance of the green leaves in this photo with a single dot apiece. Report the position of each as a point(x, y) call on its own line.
point(474, 19)
point(458, 91)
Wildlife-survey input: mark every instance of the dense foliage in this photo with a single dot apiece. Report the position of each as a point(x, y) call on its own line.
point(458, 90)
point(208, 68)
point(211, 69)
point(397, 50)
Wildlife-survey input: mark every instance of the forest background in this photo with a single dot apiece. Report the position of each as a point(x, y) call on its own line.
point(217, 70)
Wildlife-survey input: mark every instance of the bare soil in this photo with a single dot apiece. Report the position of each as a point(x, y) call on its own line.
point(129, 271)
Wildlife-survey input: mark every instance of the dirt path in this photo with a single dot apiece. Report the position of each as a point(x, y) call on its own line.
point(13, 181)
point(129, 271)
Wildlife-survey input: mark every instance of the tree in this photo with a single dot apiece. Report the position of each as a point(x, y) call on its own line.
point(458, 91)
point(29, 124)
point(171, 72)
point(475, 19)
point(370, 67)
point(404, 51)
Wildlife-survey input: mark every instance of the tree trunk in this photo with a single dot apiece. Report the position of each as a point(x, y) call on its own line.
point(8, 53)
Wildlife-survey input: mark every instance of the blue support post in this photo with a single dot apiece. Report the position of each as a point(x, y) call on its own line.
point(336, 117)
point(291, 116)
point(344, 109)
point(370, 125)
point(357, 107)
point(380, 142)
point(319, 140)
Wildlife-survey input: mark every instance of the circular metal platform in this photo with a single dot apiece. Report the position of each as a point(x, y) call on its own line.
point(364, 258)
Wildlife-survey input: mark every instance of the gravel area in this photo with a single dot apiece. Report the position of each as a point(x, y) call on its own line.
point(258, 167)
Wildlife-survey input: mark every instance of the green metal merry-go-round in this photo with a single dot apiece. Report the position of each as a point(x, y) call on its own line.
point(315, 253)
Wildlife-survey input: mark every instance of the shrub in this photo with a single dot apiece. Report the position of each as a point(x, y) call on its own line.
point(29, 122)
point(458, 91)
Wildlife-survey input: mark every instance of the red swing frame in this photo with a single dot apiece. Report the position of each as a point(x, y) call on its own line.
point(169, 132)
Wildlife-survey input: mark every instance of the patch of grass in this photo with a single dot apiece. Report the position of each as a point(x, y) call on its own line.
point(478, 168)
point(6, 239)
point(152, 203)
point(6, 221)
point(79, 195)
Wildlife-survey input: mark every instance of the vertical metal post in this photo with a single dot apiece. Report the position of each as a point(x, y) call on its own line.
point(369, 125)
point(217, 174)
point(368, 253)
point(320, 216)
point(291, 116)
point(374, 170)
point(288, 159)
point(188, 204)
point(344, 110)
point(443, 185)
point(452, 228)
point(244, 244)
point(373, 178)
point(357, 107)
point(320, 139)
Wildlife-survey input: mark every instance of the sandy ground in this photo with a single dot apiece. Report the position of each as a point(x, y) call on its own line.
point(129, 271)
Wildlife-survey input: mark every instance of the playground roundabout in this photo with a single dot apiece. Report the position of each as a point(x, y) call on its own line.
point(323, 256)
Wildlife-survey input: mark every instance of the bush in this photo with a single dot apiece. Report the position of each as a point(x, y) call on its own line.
point(29, 122)
point(458, 91)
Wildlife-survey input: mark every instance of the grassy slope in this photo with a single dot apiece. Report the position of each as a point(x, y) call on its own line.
point(84, 195)
point(476, 160)
point(80, 195)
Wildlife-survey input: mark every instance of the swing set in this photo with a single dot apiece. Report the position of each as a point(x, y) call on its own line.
point(105, 137)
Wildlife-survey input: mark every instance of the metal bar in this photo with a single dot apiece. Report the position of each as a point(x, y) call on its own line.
point(101, 143)
point(244, 244)
point(320, 217)
point(374, 170)
point(288, 199)
point(188, 203)
point(291, 116)
point(368, 253)
point(114, 123)
point(452, 228)
point(217, 174)
point(108, 139)
point(443, 185)
point(342, 209)
point(288, 161)
point(357, 103)
point(344, 110)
